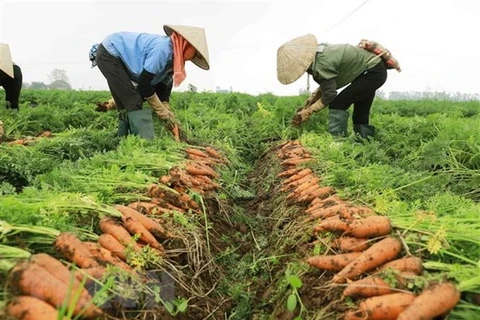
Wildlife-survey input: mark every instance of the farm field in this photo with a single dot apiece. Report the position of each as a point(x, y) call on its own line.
point(251, 219)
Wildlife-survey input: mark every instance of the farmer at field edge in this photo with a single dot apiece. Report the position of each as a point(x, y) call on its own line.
point(143, 67)
point(10, 77)
point(334, 66)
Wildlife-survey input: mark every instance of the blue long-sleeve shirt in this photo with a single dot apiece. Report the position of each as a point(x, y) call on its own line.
point(142, 51)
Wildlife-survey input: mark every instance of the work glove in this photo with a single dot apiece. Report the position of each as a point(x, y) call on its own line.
point(162, 111)
point(305, 113)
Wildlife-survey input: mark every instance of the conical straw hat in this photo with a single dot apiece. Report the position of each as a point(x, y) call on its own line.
point(294, 57)
point(197, 38)
point(6, 64)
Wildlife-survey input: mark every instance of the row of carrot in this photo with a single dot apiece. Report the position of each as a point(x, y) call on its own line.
point(365, 246)
point(44, 284)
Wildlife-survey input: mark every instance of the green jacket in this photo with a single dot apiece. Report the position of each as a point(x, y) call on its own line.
point(343, 62)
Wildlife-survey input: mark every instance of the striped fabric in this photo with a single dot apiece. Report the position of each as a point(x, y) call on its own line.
point(381, 51)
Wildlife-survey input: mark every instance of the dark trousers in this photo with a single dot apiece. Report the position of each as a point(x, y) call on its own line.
point(361, 93)
point(118, 79)
point(12, 86)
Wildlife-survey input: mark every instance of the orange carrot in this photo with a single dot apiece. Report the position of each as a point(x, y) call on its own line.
point(105, 256)
point(369, 227)
point(136, 228)
point(320, 193)
point(109, 242)
point(85, 274)
point(143, 207)
point(327, 212)
point(154, 228)
point(196, 152)
point(379, 253)
point(31, 308)
point(386, 307)
point(213, 153)
point(33, 280)
point(434, 301)
point(298, 175)
point(73, 250)
point(195, 168)
point(59, 271)
point(289, 173)
point(176, 132)
point(368, 287)
point(295, 161)
point(345, 243)
point(296, 183)
point(408, 264)
point(318, 203)
point(110, 226)
point(332, 224)
point(311, 182)
point(332, 262)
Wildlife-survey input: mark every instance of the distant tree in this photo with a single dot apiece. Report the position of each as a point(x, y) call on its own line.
point(60, 85)
point(38, 85)
point(58, 74)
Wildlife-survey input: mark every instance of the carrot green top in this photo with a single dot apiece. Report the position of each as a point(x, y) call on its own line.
point(343, 62)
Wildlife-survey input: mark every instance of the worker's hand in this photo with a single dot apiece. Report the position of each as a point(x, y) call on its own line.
point(301, 116)
point(162, 111)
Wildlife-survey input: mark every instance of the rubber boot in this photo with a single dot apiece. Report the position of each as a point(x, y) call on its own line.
point(337, 122)
point(364, 131)
point(141, 123)
point(123, 127)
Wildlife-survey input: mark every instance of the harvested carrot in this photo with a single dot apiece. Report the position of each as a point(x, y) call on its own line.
point(33, 280)
point(300, 173)
point(73, 250)
point(31, 308)
point(88, 273)
point(311, 182)
point(328, 212)
point(136, 228)
point(176, 132)
point(408, 264)
point(386, 307)
point(362, 211)
point(196, 152)
point(320, 193)
point(369, 227)
point(332, 262)
point(433, 301)
point(105, 256)
point(196, 169)
point(58, 270)
point(108, 225)
point(109, 242)
point(154, 228)
point(368, 287)
point(379, 253)
point(333, 224)
point(296, 183)
point(295, 161)
point(213, 153)
point(350, 244)
point(318, 203)
point(289, 173)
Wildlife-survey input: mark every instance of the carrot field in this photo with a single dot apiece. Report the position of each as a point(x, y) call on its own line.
point(251, 218)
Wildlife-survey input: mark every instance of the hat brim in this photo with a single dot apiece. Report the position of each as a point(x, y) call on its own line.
point(201, 56)
point(294, 57)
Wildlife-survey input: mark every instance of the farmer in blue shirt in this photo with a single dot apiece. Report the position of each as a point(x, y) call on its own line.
point(143, 67)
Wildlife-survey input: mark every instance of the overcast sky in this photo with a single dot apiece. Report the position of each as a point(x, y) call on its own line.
point(436, 41)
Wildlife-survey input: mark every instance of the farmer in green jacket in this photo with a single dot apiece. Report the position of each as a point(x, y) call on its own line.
point(143, 67)
point(334, 66)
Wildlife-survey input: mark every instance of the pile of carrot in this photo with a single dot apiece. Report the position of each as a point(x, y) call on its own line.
point(363, 249)
point(29, 139)
point(43, 285)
